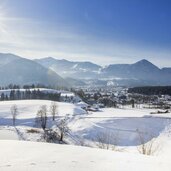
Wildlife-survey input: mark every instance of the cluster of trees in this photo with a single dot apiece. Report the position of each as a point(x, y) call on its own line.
point(27, 94)
point(29, 86)
point(61, 124)
point(42, 119)
point(139, 98)
point(107, 102)
point(151, 90)
point(79, 93)
point(97, 97)
point(15, 86)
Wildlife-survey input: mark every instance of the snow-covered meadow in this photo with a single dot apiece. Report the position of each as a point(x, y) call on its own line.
point(123, 126)
point(43, 156)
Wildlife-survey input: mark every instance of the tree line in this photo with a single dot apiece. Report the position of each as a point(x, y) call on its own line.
point(27, 94)
point(30, 86)
point(151, 90)
point(27, 86)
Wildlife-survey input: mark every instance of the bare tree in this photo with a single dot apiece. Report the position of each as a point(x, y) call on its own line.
point(51, 136)
point(14, 113)
point(146, 148)
point(103, 140)
point(41, 119)
point(63, 128)
point(107, 140)
point(54, 110)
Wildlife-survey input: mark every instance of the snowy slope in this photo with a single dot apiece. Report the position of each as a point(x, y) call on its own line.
point(8, 134)
point(122, 123)
point(30, 156)
point(28, 109)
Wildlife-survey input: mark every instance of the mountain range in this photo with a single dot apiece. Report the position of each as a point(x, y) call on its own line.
point(142, 72)
point(54, 72)
point(65, 68)
point(18, 70)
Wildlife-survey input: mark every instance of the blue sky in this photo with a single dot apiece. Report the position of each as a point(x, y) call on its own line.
point(101, 31)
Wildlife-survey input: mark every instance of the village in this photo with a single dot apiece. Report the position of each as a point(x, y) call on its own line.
point(91, 98)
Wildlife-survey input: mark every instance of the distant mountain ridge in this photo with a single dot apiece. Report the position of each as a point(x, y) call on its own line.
point(6, 58)
point(71, 69)
point(49, 71)
point(18, 70)
point(142, 72)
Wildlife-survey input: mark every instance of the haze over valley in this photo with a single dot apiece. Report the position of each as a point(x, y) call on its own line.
point(53, 72)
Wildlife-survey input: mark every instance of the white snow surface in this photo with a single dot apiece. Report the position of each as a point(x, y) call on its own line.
point(20, 156)
point(8, 134)
point(28, 108)
point(82, 104)
point(84, 127)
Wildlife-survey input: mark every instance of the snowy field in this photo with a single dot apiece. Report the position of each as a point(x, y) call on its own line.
point(20, 155)
point(122, 125)
point(28, 108)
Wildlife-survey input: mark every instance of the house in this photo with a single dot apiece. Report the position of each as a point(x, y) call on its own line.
point(83, 105)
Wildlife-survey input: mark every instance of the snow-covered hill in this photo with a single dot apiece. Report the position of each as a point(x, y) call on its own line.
point(17, 155)
point(121, 122)
point(27, 110)
point(120, 125)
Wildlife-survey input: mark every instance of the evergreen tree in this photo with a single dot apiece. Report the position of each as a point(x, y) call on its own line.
point(2, 96)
